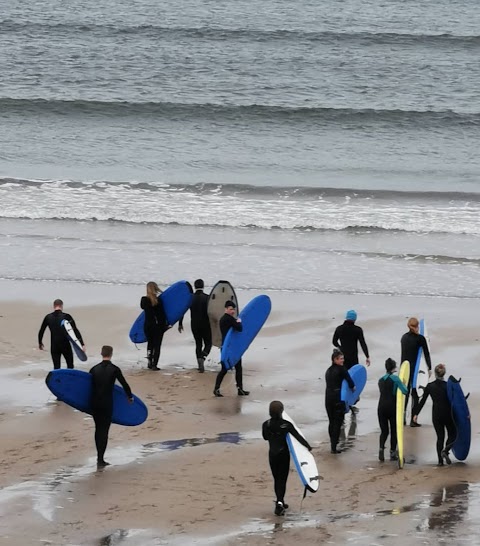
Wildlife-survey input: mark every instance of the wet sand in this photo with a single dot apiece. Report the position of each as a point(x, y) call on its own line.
point(197, 472)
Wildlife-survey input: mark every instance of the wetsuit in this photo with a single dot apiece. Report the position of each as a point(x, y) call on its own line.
point(155, 326)
point(387, 408)
point(441, 415)
point(227, 322)
point(275, 431)
point(104, 376)
point(200, 324)
point(60, 342)
point(346, 338)
point(334, 377)
point(410, 345)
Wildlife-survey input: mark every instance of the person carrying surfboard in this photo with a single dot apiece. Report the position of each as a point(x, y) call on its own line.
point(155, 323)
point(411, 343)
point(200, 324)
point(104, 376)
point(226, 322)
point(441, 413)
point(334, 377)
point(275, 431)
point(387, 408)
point(60, 343)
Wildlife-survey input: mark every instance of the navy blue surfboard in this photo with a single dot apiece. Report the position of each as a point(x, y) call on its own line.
point(253, 318)
point(176, 300)
point(74, 387)
point(358, 373)
point(461, 417)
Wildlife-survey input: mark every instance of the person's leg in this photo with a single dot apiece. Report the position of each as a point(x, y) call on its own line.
point(451, 436)
point(392, 418)
point(440, 430)
point(68, 355)
point(56, 358)
point(221, 374)
point(383, 422)
point(207, 339)
point(102, 427)
point(239, 379)
point(157, 345)
point(339, 417)
point(197, 336)
point(415, 400)
point(282, 476)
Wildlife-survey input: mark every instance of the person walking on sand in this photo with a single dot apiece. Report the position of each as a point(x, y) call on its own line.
point(346, 338)
point(275, 431)
point(387, 408)
point(226, 322)
point(334, 377)
point(155, 323)
point(59, 340)
point(411, 343)
point(200, 324)
point(104, 376)
point(441, 413)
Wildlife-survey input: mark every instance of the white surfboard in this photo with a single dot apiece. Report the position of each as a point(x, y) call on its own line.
point(221, 292)
point(422, 377)
point(77, 346)
point(303, 459)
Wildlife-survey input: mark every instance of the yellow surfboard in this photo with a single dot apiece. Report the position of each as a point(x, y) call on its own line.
point(404, 375)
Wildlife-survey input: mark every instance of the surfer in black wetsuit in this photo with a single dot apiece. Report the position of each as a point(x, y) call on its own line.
point(104, 376)
point(441, 413)
point(200, 324)
point(60, 342)
point(155, 323)
point(387, 408)
point(334, 377)
point(226, 322)
point(346, 338)
point(275, 431)
point(411, 343)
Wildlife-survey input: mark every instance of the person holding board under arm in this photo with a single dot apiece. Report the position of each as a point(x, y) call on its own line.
point(226, 322)
point(155, 323)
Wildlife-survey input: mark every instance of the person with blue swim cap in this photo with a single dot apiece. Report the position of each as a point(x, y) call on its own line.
point(346, 338)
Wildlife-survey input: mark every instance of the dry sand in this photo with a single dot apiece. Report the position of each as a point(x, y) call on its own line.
point(197, 472)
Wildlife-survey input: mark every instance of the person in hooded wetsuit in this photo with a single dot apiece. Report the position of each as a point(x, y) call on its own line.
point(275, 431)
point(200, 324)
point(226, 322)
point(155, 323)
point(411, 343)
point(387, 408)
point(347, 336)
point(441, 414)
point(334, 377)
point(104, 376)
point(60, 342)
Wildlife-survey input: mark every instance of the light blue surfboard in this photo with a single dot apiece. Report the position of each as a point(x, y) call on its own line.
point(253, 318)
point(74, 387)
point(176, 300)
point(358, 373)
point(461, 418)
point(420, 372)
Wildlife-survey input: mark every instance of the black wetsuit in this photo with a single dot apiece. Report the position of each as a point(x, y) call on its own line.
point(155, 326)
point(104, 376)
point(275, 431)
point(200, 324)
point(387, 408)
point(334, 377)
point(346, 338)
point(410, 345)
point(60, 342)
point(227, 322)
point(441, 415)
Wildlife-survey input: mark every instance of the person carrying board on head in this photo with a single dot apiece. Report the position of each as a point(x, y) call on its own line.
point(226, 322)
point(60, 342)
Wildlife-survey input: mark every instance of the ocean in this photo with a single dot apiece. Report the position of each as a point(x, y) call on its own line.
point(303, 146)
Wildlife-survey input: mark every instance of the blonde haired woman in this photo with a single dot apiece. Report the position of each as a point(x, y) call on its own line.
point(155, 323)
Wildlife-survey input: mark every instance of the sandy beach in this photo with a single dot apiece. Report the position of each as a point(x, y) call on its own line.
point(196, 472)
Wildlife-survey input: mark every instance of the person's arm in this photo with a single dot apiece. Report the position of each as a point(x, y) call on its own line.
point(145, 302)
point(426, 352)
point(180, 325)
point(75, 329)
point(399, 383)
point(265, 431)
point(125, 385)
point(426, 394)
point(348, 378)
point(294, 432)
point(41, 332)
point(236, 324)
point(336, 337)
point(363, 345)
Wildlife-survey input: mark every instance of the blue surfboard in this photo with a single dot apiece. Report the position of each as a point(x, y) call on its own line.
point(358, 373)
point(176, 300)
point(461, 417)
point(74, 387)
point(253, 318)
